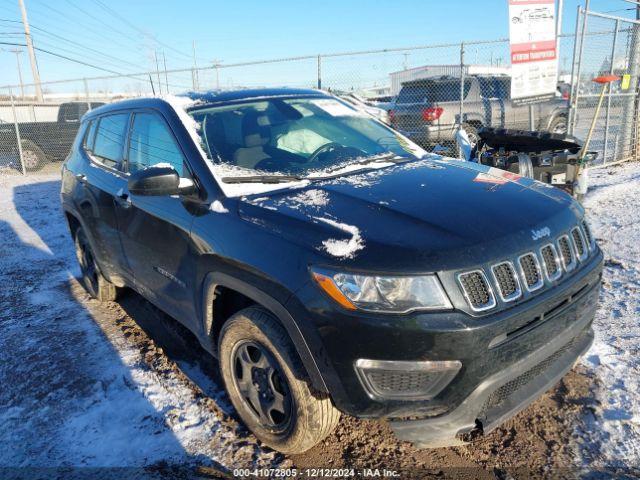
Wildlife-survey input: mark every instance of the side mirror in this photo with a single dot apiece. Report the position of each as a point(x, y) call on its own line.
point(154, 181)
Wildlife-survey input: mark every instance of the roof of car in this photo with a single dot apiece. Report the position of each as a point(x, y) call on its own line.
point(219, 96)
point(208, 97)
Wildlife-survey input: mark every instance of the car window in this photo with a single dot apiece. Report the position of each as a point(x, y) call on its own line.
point(109, 142)
point(430, 91)
point(89, 136)
point(495, 87)
point(151, 143)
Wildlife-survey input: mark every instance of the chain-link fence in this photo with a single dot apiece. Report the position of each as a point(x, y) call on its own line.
point(426, 92)
point(606, 45)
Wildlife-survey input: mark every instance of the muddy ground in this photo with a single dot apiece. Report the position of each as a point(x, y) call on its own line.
point(536, 443)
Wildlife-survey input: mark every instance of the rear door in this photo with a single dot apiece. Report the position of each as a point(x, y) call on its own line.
point(155, 230)
point(100, 182)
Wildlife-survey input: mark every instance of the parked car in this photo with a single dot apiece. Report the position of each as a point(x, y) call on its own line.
point(330, 264)
point(44, 142)
point(428, 110)
point(364, 106)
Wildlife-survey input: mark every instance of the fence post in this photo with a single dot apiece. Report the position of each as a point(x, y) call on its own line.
point(462, 78)
point(17, 128)
point(86, 94)
point(319, 72)
point(608, 117)
point(575, 87)
point(629, 117)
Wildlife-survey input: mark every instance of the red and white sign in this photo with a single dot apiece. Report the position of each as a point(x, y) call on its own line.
point(534, 59)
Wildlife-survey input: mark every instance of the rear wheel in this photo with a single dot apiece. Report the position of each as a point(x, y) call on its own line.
point(33, 157)
point(92, 279)
point(269, 386)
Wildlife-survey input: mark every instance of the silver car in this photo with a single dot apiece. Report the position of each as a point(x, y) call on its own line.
point(428, 110)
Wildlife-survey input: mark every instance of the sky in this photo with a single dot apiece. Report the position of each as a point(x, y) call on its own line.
point(125, 35)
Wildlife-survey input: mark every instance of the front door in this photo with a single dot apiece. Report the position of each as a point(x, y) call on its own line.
point(155, 230)
point(99, 183)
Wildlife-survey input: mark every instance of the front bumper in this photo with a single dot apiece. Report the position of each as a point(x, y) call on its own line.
point(502, 395)
point(486, 346)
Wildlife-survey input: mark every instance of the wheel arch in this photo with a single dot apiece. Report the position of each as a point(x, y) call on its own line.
point(210, 325)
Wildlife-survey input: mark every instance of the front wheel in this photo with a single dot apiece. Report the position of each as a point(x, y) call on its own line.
point(269, 386)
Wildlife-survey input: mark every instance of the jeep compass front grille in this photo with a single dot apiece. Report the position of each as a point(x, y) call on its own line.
point(551, 262)
point(527, 274)
point(566, 253)
point(477, 290)
point(587, 234)
point(507, 280)
point(578, 241)
point(531, 271)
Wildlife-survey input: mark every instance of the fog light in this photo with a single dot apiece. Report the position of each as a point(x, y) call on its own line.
point(405, 380)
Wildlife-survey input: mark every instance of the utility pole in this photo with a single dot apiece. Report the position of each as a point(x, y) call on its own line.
point(196, 80)
point(18, 52)
point(155, 55)
point(32, 55)
point(166, 79)
point(216, 64)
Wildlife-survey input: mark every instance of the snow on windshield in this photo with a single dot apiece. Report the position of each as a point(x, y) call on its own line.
point(181, 104)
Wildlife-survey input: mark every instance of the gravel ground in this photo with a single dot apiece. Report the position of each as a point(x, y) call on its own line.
point(115, 385)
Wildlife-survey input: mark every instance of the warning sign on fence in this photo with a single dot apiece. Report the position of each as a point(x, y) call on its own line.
point(534, 56)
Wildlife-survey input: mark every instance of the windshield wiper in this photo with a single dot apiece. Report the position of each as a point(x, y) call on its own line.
point(263, 179)
point(387, 157)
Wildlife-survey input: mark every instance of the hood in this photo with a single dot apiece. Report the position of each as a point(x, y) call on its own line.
point(429, 214)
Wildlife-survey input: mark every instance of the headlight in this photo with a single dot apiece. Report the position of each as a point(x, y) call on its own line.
point(393, 294)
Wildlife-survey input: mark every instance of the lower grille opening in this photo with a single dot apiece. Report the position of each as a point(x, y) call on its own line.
point(498, 396)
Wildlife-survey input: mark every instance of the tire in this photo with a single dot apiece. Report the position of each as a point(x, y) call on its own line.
point(268, 385)
point(32, 156)
point(558, 125)
point(472, 133)
point(92, 279)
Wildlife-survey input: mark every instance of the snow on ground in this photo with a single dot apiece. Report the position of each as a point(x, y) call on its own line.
point(612, 436)
point(75, 390)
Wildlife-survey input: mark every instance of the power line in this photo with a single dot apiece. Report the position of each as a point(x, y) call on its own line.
point(55, 35)
point(131, 25)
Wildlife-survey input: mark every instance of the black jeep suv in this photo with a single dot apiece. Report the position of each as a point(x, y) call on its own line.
point(330, 264)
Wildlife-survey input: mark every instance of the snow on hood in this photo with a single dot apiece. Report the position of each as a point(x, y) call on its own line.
point(342, 248)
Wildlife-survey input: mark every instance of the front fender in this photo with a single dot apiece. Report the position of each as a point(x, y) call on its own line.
point(300, 341)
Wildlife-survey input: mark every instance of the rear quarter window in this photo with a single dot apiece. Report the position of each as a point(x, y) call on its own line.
point(89, 136)
point(108, 146)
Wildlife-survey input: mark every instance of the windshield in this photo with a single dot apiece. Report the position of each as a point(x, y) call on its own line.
point(296, 136)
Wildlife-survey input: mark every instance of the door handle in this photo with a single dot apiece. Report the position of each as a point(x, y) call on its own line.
point(123, 199)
